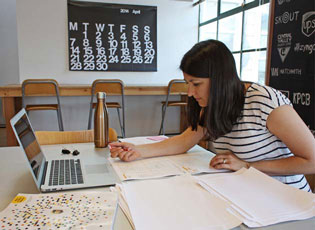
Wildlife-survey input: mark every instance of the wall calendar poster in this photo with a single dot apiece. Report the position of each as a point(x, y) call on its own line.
point(112, 37)
point(292, 59)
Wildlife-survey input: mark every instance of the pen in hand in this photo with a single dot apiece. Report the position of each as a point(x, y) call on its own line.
point(124, 148)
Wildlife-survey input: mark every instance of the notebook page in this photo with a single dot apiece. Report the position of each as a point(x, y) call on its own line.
point(144, 168)
point(195, 162)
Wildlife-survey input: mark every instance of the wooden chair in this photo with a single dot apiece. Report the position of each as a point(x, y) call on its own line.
point(67, 137)
point(177, 87)
point(114, 87)
point(42, 87)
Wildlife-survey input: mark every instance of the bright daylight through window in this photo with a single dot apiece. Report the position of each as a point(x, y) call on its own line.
point(243, 26)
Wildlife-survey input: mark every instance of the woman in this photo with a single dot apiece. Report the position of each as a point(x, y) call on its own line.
point(249, 125)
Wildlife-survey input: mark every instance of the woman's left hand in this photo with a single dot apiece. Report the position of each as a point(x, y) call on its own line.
point(228, 161)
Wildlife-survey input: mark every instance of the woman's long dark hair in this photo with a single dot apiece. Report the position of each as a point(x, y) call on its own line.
point(212, 59)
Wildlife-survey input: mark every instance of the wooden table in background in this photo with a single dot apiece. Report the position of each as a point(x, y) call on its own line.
point(12, 100)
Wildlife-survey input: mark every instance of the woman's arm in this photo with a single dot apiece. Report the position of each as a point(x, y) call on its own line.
point(174, 145)
point(286, 124)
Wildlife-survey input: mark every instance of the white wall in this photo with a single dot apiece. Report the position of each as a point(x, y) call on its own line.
point(9, 66)
point(43, 53)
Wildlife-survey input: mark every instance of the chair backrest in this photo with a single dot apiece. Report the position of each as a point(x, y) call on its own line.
point(40, 87)
point(112, 86)
point(67, 137)
point(177, 86)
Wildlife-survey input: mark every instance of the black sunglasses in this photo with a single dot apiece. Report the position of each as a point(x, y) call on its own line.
point(67, 151)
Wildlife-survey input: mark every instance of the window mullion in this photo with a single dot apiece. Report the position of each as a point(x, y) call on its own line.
point(218, 21)
point(242, 35)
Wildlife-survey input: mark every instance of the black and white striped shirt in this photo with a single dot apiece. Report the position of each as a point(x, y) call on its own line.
point(250, 139)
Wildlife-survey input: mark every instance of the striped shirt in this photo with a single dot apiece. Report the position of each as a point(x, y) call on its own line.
point(250, 139)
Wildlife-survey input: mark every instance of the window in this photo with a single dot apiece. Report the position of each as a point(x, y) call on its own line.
point(242, 25)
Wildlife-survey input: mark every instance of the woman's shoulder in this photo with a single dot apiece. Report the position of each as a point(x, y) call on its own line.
point(266, 94)
point(260, 90)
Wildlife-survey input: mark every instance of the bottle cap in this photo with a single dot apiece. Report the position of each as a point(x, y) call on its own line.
point(101, 95)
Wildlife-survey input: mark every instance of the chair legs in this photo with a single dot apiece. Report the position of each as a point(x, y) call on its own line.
point(60, 120)
point(90, 117)
point(122, 128)
point(162, 132)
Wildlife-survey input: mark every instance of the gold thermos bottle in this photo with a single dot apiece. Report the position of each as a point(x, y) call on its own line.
point(101, 134)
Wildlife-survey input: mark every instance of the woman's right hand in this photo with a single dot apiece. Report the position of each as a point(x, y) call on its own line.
point(125, 151)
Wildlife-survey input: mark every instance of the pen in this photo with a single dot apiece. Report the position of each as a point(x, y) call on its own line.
point(124, 148)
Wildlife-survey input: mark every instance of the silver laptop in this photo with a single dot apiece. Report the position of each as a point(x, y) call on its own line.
point(63, 172)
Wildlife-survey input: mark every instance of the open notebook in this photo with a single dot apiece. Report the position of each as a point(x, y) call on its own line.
point(195, 161)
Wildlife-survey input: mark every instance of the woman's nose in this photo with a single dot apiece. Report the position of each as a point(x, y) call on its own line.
point(190, 92)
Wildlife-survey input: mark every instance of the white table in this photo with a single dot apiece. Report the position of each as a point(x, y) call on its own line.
point(15, 178)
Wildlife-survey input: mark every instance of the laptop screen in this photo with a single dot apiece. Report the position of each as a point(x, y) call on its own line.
point(29, 144)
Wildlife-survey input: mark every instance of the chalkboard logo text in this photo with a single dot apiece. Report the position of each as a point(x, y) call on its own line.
point(287, 17)
point(308, 23)
point(280, 2)
point(283, 52)
point(302, 99)
point(308, 48)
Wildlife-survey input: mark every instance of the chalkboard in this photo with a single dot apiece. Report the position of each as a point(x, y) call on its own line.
point(112, 37)
point(291, 58)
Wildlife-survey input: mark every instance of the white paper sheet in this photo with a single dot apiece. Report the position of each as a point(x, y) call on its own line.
point(193, 162)
point(176, 203)
point(122, 203)
point(259, 199)
point(144, 168)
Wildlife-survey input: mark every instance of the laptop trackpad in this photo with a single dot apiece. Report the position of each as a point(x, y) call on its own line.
point(96, 168)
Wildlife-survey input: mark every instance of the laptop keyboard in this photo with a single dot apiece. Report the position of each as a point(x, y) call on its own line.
point(65, 172)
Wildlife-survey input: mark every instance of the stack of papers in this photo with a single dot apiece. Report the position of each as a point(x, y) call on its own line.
point(211, 201)
point(174, 203)
point(223, 201)
point(259, 200)
point(77, 210)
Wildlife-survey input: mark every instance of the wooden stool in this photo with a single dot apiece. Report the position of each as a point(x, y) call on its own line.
point(42, 87)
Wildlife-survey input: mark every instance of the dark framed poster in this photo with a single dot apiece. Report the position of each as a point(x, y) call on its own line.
point(291, 54)
point(112, 37)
